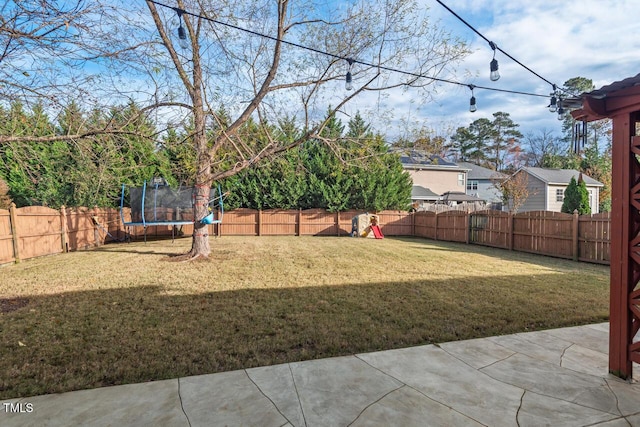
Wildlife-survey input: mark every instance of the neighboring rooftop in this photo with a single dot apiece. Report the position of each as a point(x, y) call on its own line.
point(458, 196)
point(421, 193)
point(419, 160)
point(479, 172)
point(560, 176)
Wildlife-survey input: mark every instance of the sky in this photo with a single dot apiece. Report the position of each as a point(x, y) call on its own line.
point(558, 39)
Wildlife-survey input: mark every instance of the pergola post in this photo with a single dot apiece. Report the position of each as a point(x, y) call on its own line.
point(625, 245)
point(620, 101)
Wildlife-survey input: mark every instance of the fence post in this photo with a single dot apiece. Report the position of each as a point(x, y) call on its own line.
point(467, 226)
point(14, 232)
point(435, 232)
point(259, 222)
point(510, 223)
point(299, 223)
point(574, 229)
point(413, 223)
point(63, 229)
point(338, 223)
point(96, 232)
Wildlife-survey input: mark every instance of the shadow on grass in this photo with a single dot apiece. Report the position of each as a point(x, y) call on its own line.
point(90, 339)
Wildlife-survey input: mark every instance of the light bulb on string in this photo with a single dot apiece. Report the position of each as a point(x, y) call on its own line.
point(553, 105)
point(560, 110)
point(348, 82)
point(472, 102)
point(494, 74)
point(182, 38)
point(182, 33)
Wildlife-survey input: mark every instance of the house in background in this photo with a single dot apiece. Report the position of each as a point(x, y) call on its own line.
point(432, 176)
point(546, 188)
point(480, 184)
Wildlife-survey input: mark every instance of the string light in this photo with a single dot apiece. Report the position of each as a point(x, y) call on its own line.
point(472, 102)
point(560, 110)
point(349, 78)
point(553, 105)
point(495, 75)
point(182, 33)
point(493, 65)
point(348, 83)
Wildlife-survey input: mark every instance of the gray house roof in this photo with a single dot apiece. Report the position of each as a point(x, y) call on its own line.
point(420, 193)
point(418, 160)
point(480, 173)
point(458, 196)
point(560, 176)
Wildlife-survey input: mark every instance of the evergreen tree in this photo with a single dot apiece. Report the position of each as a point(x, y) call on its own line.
point(574, 87)
point(504, 145)
point(31, 169)
point(80, 172)
point(180, 156)
point(355, 170)
point(5, 199)
point(491, 143)
point(594, 158)
point(576, 197)
point(470, 144)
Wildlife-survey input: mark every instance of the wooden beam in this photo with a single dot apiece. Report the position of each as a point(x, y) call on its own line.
point(612, 104)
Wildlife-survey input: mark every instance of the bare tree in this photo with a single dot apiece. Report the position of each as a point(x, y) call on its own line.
point(544, 149)
point(32, 33)
point(180, 62)
point(514, 189)
point(287, 56)
point(55, 53)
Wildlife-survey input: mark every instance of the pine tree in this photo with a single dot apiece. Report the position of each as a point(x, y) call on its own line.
point(504, 145)
point(470, 144)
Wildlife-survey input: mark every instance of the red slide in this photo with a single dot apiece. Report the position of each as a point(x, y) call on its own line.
point(376, 232)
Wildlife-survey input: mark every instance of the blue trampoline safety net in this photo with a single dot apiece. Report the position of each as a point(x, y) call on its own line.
point(160, 204)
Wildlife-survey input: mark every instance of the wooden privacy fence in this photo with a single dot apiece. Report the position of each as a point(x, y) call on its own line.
point(275, 222)
point(578, 237)
point(35, 231)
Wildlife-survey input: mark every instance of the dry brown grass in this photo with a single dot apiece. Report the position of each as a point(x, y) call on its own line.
point(125, 314)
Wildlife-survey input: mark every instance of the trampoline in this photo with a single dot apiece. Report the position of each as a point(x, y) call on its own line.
point(160, 205)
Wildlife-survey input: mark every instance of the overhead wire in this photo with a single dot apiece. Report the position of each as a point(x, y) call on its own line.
point(341, 57)
point(496, 47)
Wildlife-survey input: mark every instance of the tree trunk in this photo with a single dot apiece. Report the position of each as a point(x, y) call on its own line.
point(200, 247)
point(200, 244)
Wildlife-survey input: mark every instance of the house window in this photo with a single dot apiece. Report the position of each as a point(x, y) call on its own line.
point(472, 185)
point(461, 179)
point(559, 195)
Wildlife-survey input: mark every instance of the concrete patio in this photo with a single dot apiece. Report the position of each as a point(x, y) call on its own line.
point(556, 377)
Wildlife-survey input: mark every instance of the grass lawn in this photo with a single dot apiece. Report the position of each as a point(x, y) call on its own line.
point(125, 314)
